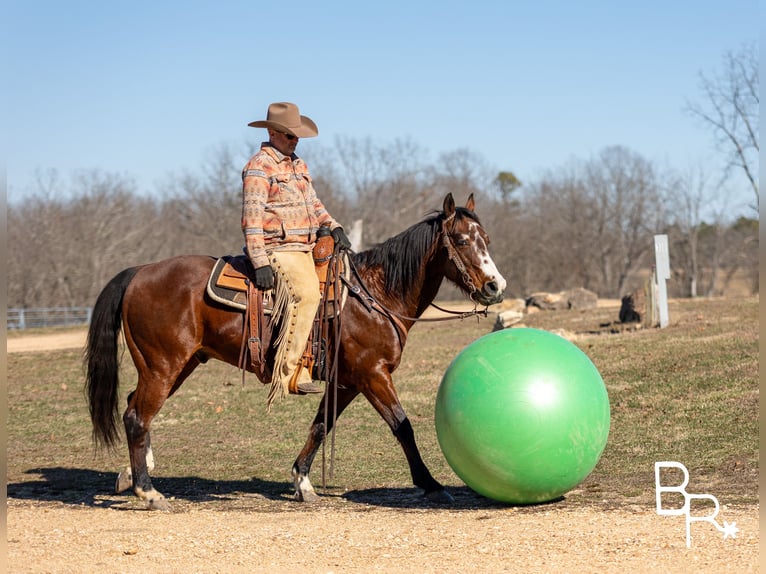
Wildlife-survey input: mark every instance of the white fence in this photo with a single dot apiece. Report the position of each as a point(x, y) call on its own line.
point(48, 317)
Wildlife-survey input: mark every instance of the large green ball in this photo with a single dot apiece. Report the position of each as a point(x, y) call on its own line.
point(522, 416)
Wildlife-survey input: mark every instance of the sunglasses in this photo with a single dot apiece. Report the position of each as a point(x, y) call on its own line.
point(290, 137)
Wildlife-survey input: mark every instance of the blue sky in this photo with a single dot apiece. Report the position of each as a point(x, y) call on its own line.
point(150, 88)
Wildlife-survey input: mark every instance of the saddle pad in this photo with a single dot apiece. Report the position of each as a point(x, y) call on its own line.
point(227, 283)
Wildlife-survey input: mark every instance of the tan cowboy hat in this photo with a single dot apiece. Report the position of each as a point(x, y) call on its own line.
point(284, 116)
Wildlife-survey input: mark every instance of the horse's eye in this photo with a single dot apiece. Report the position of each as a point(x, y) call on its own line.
point(461, 242)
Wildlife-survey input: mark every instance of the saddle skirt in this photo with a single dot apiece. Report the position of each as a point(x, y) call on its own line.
point(228, 283)
point(229, 280)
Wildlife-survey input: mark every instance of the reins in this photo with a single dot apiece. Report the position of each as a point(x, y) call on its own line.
point(373, 303)
point(362, 292)
point(331, 366)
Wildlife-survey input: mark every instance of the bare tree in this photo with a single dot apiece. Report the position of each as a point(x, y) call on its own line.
point(731, 109)
point(628, 211)
point(591, 223)
point(205, 209)
point(587, 224)
point(83, 232)
point(387, 183)
point(696, 244)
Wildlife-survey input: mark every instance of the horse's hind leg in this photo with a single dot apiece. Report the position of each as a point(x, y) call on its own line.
point(144, 404)
point(304, 491)
point(137, 419)
point(125, 478)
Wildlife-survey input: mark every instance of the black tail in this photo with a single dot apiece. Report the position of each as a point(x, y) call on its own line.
point(101, 358)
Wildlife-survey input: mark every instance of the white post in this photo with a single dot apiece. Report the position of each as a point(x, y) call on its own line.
point(662, 274)
point(355, 235)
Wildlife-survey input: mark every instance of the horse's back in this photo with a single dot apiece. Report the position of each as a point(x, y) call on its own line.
point(167, 301)
point(187, 268)
point(166, 291)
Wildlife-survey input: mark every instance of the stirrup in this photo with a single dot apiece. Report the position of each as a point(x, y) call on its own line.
point(307, 388)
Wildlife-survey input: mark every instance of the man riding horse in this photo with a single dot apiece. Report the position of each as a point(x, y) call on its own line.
point(281, 217)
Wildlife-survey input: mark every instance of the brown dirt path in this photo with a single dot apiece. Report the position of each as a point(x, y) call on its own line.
point(51, 342)
point(46, 537)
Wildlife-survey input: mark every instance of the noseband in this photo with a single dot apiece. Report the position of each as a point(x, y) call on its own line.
point(454, 256)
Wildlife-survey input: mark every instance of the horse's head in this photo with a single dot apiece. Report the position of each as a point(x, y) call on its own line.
point(467, 244)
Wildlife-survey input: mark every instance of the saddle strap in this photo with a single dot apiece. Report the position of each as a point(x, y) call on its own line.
point(257, 329)
point(253, 329)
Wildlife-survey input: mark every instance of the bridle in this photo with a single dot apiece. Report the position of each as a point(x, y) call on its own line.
point(454, 256)
point(371, 303)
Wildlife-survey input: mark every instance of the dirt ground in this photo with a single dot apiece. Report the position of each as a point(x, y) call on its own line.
point(365, 538)
point(369, 534)
point(52, 342)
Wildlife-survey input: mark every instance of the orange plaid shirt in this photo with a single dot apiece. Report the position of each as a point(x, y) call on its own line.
point(280, 208)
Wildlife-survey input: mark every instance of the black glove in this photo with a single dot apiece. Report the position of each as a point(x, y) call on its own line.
point(340, 238)
point(264, 278)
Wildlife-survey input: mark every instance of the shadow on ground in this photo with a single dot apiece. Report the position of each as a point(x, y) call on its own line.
point(86, 487)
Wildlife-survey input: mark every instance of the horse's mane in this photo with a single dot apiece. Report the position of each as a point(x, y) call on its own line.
point(401, 256)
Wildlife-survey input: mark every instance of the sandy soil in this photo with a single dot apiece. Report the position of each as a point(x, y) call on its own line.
point(52, 342)
point(62, 539)
point(340, 535)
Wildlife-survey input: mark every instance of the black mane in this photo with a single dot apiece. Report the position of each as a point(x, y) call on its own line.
point(401, 256)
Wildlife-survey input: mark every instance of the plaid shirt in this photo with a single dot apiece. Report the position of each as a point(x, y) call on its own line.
point(280, 208)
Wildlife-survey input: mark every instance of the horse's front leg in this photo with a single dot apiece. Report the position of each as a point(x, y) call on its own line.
point(383, 397)
point(304, 491)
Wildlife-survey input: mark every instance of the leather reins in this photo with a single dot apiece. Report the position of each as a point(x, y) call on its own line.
point(362, 292)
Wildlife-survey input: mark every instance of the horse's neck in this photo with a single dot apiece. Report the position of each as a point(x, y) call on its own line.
point(428, 291)
point(422, 293)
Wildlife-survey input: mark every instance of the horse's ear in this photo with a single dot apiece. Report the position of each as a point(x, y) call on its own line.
point(449, 205)
point(470, 204)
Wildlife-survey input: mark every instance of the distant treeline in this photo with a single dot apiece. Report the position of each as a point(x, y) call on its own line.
point(587, 224)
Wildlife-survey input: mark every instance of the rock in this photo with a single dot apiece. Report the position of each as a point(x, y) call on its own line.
point(544, 301)
point(507, 319)
point(577, 299)
point(510, 305)
point(580, 298)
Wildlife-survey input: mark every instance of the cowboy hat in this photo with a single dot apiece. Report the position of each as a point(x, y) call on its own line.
point(285, 117)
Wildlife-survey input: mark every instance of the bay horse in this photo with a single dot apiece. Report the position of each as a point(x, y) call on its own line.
point(171, 326)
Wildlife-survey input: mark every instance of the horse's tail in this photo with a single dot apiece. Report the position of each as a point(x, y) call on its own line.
point(101, 358)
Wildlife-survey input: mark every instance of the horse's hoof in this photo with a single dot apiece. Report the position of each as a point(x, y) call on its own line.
point(306, 496)
point(124, 482)
point(160, 503)
point(440, 497)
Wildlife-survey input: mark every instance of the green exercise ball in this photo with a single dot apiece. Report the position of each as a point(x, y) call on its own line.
point(522, 416)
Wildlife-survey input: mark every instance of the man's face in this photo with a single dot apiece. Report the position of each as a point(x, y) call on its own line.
point(285, 143)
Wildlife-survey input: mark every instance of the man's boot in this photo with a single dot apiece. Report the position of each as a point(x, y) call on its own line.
point(301, 383)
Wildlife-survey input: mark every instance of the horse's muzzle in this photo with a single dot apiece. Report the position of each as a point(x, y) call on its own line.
point(489, 294)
